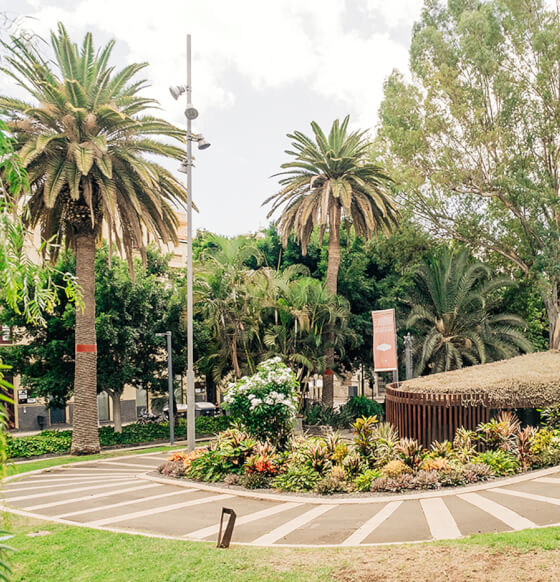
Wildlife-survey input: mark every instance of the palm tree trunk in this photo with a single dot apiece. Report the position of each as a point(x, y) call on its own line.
point(332, 286)
point(85, 437)
point(552, 304)
point(234, 358)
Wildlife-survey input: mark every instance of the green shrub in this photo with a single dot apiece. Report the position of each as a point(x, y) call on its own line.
point(364, 480)
point(266, 402)
point(333, 482)
point(550, 417)
point(57, 442)
point(501, 462)
point(321, 415)
point(296, 478)
point(359, 406)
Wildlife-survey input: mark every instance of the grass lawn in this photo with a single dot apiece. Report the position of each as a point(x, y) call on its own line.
point(13, 469)
point(56, 553)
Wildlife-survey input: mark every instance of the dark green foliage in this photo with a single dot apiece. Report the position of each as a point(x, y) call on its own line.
point(55, 442)
point(550, 417)
point(500, 462)
point(297, 478)
point(321, 415)
point(362, 406)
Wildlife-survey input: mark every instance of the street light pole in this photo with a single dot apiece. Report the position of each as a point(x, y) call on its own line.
point(186, 167)
point(190, 370)
point(167, 334)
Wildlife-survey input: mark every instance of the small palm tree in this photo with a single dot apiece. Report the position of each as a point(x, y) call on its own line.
point(330, 180)
point(83, 140)
point(453, 311)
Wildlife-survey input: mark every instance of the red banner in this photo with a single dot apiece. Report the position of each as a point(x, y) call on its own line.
point(384, 341)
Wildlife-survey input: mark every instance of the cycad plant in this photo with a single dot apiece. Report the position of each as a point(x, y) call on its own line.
point(331, 179)
point(84, 138)
point(454, 312)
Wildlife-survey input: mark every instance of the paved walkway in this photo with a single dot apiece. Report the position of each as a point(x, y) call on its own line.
point(120, 494)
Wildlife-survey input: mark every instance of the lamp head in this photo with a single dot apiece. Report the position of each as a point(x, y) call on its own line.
point(177, 91)
point(184, 167)
point(191, 112)
point(202, 143)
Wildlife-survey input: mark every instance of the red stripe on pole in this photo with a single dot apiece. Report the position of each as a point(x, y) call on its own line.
point(88, 348)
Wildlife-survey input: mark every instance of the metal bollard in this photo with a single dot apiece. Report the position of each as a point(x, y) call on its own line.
point(224, 541)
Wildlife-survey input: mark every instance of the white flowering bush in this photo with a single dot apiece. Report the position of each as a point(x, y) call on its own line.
point(266, 402)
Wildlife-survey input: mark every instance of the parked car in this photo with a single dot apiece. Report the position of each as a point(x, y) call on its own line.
point(200, 409)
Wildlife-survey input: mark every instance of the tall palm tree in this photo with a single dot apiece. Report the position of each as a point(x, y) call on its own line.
point(330, 180)
point(83, 139)
point(456, 315)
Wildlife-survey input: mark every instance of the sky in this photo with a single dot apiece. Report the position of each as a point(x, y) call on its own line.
point(260, 70)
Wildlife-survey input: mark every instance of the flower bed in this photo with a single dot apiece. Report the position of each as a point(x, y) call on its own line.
point(376, 460)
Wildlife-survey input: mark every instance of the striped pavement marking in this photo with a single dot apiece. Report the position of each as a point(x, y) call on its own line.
point(146, 512)
point(134, 465)
point(88, 497)
point(123, 481)
point(371, 524)
point(85, 475)
point(524, 495)
point(213, 529)
point(440, 521)
point(121, 504)
point(105, 469)
point(291, 525)
point(41, 484)
point(551, 480)
point(505, 515)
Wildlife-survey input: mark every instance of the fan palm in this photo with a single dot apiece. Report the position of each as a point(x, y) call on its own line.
point(456, 316)
point(330, 180)
point(83, 141)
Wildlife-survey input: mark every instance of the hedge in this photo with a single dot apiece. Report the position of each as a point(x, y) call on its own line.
point(51, 441)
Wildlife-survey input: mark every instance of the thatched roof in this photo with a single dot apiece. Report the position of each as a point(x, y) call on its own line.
point(528, 381)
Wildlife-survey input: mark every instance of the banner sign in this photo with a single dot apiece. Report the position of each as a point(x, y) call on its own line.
point(384, 341)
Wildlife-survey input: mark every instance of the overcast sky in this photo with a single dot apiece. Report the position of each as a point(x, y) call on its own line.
point(260, 69)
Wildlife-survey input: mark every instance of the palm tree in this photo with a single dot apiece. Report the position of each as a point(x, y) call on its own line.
point(83, 141)
point(224, 300)
point(331, 180)
point(454, 310)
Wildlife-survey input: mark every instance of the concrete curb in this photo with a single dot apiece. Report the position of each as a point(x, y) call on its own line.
point(329, 500)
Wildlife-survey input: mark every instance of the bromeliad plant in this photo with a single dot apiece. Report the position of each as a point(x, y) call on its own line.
point(265, 404)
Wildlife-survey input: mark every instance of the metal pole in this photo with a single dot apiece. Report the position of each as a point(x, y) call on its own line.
point(190, 371)
point(170, 385)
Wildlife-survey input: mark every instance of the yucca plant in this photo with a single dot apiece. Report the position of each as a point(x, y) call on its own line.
point(88, 147)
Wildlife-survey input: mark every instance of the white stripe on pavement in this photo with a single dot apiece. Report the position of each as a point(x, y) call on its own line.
point(213, 529)
point(127, 516)
point(551, 480)
point(55, 483)
point(108, 470)
point(505, 515)
point(115, 482)
point(133, 465)
point(291, 525)
point(371, 524)
point(131, 502)
point(523, 495)
point(440, 521)
point(88, 497)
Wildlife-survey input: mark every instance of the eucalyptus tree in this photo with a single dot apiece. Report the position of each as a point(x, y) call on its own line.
point(330, 180)
point(474, 136)
point(454, 313)
point(88, 145)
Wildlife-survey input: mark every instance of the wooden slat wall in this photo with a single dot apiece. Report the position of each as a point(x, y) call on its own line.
point(429, 417)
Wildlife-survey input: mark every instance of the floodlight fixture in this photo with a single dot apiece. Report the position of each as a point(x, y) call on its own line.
point(177, 91)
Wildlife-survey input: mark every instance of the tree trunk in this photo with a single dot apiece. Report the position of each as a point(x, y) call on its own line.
point(234, 358)
point(117, 419)
point(552, 304)
point(332, 286)
point(85, 437)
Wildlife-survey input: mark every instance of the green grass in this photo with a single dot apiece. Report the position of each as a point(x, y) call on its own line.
point(86, 555)
point(13, 469)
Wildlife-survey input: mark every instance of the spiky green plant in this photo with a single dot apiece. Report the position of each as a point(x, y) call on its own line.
point(453, 312)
